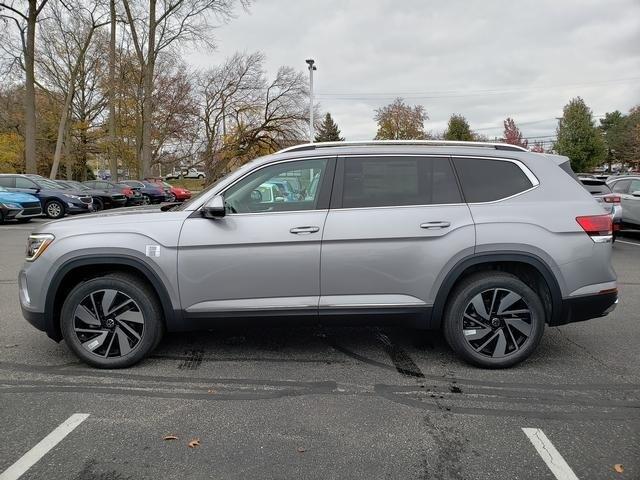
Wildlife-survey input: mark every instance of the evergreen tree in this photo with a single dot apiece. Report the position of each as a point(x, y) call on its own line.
point(578, 138)
point(328, 131)
point(458, 129)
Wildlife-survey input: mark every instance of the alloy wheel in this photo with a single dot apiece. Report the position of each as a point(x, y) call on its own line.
point(108, 323)
point(497, 323)
point(146, 200)
point(54, 209)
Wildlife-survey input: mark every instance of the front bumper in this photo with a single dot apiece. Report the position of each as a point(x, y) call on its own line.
point(586, 307)
point(79, 207)
point(17, 213)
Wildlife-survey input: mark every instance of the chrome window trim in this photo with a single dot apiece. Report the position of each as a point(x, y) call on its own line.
point(268, 164)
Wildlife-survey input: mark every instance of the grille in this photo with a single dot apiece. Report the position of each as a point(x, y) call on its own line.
point(31, 205)
point(32, 211)
point(87, 200)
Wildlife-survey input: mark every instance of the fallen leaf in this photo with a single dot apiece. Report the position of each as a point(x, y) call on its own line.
point(301, 449)
point(618, 468)
point(211, 390)
point(194, 443)
point(170, 437)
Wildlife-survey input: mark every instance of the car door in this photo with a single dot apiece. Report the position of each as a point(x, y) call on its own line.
point(631, 203)
point(263, 256)
point(395, 222)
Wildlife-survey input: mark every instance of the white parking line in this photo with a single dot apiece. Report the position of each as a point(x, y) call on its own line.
point(628, 243)
point(30, 458)
point(549, 454)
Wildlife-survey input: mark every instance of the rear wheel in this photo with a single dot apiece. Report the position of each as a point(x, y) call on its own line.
point(494, 320)
point(54, 209)
point(172, 197)
point(146, 200)
point(98, 204)
point(113, 321)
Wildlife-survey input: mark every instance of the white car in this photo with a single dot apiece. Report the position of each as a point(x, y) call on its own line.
point(186, 173)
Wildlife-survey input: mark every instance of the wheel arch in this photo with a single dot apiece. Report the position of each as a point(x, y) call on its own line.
point(74, 270)
point(501, 261)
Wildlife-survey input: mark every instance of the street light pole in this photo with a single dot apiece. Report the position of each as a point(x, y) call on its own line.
point(311, 62)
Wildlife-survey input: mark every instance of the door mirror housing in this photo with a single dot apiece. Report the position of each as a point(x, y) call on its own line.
point(214, 208)
point(636, 193)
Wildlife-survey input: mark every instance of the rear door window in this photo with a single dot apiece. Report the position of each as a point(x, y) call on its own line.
point(7, 182)
point(488, 180)
point(398, 181)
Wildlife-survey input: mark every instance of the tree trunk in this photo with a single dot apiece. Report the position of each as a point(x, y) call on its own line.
point(111, 142)
point(62, 128)
point(147, 105)
point(31, 164)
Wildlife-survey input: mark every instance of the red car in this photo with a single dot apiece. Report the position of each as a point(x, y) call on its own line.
point(177, 194)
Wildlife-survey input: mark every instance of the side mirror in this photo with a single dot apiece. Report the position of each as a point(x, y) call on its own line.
point(214, 208)
point(636, 193)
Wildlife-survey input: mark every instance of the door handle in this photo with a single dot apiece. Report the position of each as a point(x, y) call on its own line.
point(304, 230)
point(434, 225)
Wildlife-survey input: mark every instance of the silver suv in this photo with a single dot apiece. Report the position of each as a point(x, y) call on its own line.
point(487, 241)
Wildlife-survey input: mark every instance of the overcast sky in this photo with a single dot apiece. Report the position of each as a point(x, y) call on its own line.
point(486, 60)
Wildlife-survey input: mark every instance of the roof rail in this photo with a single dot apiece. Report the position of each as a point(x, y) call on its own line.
point(428, 143)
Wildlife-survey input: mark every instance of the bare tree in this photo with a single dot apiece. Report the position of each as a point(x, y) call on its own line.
point(164, 25)
point(245, 115)
point(24, 14)
point(67, 36)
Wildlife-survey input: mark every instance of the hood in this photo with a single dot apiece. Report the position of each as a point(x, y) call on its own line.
point(18, 197)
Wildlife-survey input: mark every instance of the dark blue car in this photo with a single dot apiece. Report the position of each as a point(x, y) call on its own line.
point(54, 201)
point(18, 206)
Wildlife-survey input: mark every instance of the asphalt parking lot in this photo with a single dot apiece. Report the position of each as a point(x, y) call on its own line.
point(323, 402)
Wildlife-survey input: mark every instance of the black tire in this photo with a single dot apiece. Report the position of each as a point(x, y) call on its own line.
point(143, 303)
point(22, 220)
point(54, 209)
point(1, 218)
point(98, 204)
point(499, 332)
point(200, 176)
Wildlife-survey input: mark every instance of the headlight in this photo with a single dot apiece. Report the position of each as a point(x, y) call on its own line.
point(37, 244)
point(11, 205)
point(75, 197)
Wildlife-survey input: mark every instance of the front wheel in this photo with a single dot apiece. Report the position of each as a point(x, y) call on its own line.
point(494, 320)
point(146, 200)
point(112, 321)
point(54, 209)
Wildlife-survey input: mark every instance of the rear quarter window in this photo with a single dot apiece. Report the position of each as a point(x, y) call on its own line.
point(488, 180)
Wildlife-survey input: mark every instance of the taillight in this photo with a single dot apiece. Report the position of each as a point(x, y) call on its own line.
point(127, 192)
point(611, 199)
point(598, 227)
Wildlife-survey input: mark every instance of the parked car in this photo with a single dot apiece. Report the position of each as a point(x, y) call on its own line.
point(21, 207)
point(134, 197)
point(151, 192)
point(102, 199)
point(175, 194)
point(628, 187)
point(610, 201)
point(186, 173)
point(55, 201)
point(489, 242)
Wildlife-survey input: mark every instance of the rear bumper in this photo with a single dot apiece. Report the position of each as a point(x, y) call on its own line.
point(586, 307)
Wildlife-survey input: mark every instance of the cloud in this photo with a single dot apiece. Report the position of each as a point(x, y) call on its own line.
point(485, 60)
